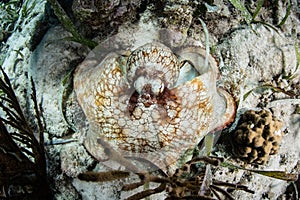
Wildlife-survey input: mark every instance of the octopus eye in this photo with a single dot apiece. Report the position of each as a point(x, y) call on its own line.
point(139, 84)
point(157, 86)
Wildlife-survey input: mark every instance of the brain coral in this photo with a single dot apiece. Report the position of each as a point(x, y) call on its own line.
point(258, 135)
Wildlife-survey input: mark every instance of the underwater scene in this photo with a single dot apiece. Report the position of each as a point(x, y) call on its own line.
point(140, 99)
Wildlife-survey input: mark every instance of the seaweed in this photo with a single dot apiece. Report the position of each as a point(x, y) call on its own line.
point(249, 16)
point(192, 181)
point(69, 25)
point(281, 175)
point(23, 167)
point(9, 16)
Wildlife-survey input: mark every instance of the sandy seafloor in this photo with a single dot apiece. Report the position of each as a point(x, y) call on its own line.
point(249, 56)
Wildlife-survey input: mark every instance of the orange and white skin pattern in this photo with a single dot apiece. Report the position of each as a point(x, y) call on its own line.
point(138, 108)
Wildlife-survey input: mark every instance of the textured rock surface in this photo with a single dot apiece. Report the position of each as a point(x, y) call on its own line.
point(104, 16)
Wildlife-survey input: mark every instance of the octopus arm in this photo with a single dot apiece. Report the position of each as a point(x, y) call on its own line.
point(194, 115)
point(102, 92)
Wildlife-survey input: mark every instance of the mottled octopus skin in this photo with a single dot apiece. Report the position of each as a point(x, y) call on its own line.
point(138, 108)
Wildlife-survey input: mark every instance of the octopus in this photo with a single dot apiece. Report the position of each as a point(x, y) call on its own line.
point(153, 104)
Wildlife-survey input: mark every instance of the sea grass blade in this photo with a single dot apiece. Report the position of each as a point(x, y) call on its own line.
point(270, 173)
